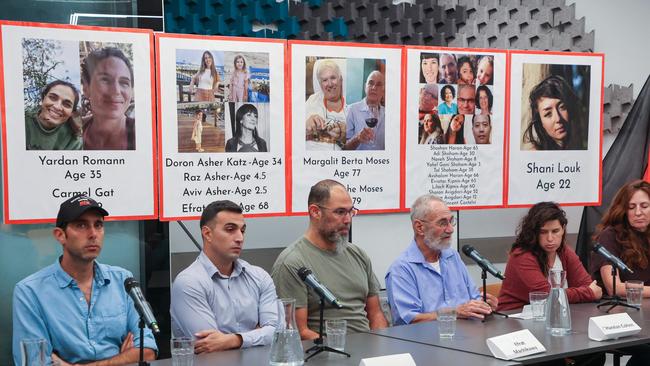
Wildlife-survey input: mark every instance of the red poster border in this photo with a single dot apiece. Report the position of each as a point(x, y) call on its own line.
point(505, 117)
point(158, 36)
point(401, 162)
point(3, 23)
point(600, 150)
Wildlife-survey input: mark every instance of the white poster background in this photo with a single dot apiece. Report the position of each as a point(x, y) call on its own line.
point(255, 181)
point(35, 189)
point(576, 188)
point(464, 176)
point(372, 186)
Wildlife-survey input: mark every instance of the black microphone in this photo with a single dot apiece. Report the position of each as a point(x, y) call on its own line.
point(306, 275)
point(141, 305)
point(482, 262)
point(611, 257)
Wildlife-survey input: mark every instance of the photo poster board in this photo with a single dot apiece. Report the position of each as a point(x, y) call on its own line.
point(77, 117)
point(455, 125)
point(346, 121)
point(555, 132)
point(221, 124)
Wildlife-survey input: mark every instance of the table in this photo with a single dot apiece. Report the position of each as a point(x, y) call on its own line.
point(471, 334)
point(359, 345)
point(467, 348)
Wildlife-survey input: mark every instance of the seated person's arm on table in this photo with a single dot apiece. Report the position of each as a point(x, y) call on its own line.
point(608, 282)
point(374, 313)
point(301, 323)
point(128, 354)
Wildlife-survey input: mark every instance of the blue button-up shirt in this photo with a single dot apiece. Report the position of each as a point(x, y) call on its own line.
point(244, 303)
point(415, 287)
point(50, 305)
point(356, 122)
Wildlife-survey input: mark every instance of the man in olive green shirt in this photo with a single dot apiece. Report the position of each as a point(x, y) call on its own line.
point(342, 267)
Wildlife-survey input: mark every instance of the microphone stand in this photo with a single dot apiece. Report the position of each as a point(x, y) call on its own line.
point(615, 300)
point(318, 343)
point(484, 278)
point(142, 362)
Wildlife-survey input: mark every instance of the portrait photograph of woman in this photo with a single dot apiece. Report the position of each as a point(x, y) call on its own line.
point(51, 89)
point(555, 101)
point(107, 99)
point(249, 129)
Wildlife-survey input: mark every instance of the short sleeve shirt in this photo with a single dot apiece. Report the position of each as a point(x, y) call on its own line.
point(347, 273)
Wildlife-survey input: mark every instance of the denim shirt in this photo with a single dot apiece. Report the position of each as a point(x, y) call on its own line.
point(415, 287)
point(50, 305)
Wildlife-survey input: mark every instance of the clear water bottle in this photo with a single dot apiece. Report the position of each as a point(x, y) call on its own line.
point(286, 348)
point(558, 315)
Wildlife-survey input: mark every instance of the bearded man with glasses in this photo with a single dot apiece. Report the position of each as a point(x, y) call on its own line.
point(339, 265)
point(429, 275)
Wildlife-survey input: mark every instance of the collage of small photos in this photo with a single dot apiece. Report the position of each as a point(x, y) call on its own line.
point(455, 98)
point(222, 101)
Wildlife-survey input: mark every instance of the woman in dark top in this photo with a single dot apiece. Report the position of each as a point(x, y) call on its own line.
point(624, 231)
point(456, 131)
point(52, 126)
point(246, 138)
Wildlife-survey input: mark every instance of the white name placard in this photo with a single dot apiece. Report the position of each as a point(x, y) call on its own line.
point(612, 326)
point(402, 359)
point(513, 345)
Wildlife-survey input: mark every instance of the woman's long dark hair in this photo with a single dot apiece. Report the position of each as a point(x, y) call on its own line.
point(239, 115)
point(213, 69)
point(556, 87)
point(529, 227)
point(460, 135)
point(634, 252)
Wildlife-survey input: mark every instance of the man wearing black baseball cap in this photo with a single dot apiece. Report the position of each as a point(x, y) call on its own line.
point(77, 304)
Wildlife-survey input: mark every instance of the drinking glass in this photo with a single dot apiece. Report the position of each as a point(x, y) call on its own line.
point(447, 322)
point(634, 292)
point(372, 120)
point(538, 304)
point(335, 332)
point(182, 351)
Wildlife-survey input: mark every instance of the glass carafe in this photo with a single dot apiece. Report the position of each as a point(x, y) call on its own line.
point(286, 348)
point(558, 315)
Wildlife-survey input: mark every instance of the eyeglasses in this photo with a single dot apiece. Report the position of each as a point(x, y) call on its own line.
point(341, 212)
point(443, 223)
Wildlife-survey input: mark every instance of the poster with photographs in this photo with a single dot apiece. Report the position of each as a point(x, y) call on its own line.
point(455, 125)
point(345, 115)
point(77, 118)
point(221, 124)
point(555, 128)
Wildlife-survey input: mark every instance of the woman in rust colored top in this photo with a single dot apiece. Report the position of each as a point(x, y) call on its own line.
point(539, 247)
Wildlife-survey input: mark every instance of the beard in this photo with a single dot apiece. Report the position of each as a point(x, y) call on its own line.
point(436, 243)
point(334, 236)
